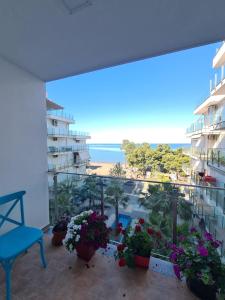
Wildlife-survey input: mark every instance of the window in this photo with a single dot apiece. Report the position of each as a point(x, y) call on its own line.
point(55, 139)
point(54, 122)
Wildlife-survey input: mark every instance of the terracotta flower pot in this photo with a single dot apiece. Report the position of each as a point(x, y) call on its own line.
point(204, 292)
point(84, 251)
point(142, 262)
point(58, 237)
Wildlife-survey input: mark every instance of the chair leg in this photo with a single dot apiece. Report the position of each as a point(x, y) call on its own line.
point(7, 266)
point(42, 253)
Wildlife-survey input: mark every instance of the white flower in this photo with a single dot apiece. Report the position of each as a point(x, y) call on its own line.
point(77, 238)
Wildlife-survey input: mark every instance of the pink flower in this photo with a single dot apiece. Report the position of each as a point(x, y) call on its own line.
point(193, 229)
point(176, 269)
point(173, 257)
point(202, 251)
point(216, 243)
point(208, 236)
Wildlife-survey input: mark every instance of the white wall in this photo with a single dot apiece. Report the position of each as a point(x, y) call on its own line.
point(23, 142)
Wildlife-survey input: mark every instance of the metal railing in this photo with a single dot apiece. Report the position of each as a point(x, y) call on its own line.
point(61, 114)
point(77, 147)
point(169, 207)
point(64, 132)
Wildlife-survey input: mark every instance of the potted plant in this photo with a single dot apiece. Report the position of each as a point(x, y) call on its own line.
point(59, 231)
point(86, 233)
point(196, 257)
point(137, 246)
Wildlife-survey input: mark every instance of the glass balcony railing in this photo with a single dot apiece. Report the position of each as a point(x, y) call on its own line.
point(219, 76)
point(77, 147)
point(63, 166)
point(216, 158)
point(196, 126)
point(170, 207)
point(72, 133)
point(196, 152)
point(61, 114)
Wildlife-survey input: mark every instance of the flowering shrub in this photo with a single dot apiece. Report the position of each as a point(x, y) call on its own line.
point(196, 257)
point(138, 241)
point(88, 228)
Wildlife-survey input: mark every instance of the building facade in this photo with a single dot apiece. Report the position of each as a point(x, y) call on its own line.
point(67, 149)
point(207, 135)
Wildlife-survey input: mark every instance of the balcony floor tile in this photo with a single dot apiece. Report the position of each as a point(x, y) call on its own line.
point(68, 277)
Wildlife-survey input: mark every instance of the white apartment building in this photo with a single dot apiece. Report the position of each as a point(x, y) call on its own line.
point(67, 149)
point(207, 135)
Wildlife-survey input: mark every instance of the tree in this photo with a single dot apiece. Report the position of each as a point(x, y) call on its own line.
point(90, 190)
point(162, 159)
point(115, 196)
point(159, 200)
point(117, 170)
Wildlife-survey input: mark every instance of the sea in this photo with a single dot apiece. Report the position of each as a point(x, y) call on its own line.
point(112, 153)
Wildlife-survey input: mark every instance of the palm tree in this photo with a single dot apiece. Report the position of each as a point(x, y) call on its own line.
point(90, 190)
point(159, 199)
point(115, 196)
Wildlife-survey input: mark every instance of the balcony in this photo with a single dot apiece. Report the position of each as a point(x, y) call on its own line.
point(216, 158)
point(77, 147)
point(152, 200)
point(60, 115)
point(67, 277)
point(196, 127)
point(197, 153)
point(217, 86)
point(63, 166)
point(59, 132)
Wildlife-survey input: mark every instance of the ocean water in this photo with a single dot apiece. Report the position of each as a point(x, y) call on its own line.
point(112, 153)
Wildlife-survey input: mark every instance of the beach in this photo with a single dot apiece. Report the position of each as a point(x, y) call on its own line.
point(99, 168)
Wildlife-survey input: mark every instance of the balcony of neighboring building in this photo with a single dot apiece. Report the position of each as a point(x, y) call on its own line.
point(210, 124)
point(196, 153)
point(219, 58)
point(216, 158)
point(61, 132)
point(80, 158)
point(217, 84)
point(63, 149)
point(60, 115)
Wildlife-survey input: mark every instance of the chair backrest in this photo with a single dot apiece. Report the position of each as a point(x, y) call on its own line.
point(15, 198)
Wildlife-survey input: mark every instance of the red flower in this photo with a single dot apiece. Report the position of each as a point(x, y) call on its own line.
point(141, 221)
point(122, 262)
point(123, 231)
point(120, 225)
point(120, 247)
point(158, 234)
point(150, 231)
point(119, 229)
point(137, 228)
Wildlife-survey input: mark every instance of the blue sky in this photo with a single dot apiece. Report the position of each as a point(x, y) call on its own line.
point(150, 100)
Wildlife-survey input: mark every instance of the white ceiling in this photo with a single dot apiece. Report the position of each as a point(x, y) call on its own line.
point(42, 36)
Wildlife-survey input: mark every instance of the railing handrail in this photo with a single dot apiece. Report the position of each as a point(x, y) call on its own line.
point(78, 147)
point(66, 132)
point(143, 180)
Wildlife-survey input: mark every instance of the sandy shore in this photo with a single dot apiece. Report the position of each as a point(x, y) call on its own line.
point(99, 168)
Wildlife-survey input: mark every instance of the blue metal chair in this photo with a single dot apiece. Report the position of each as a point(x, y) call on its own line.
point(17, 240)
